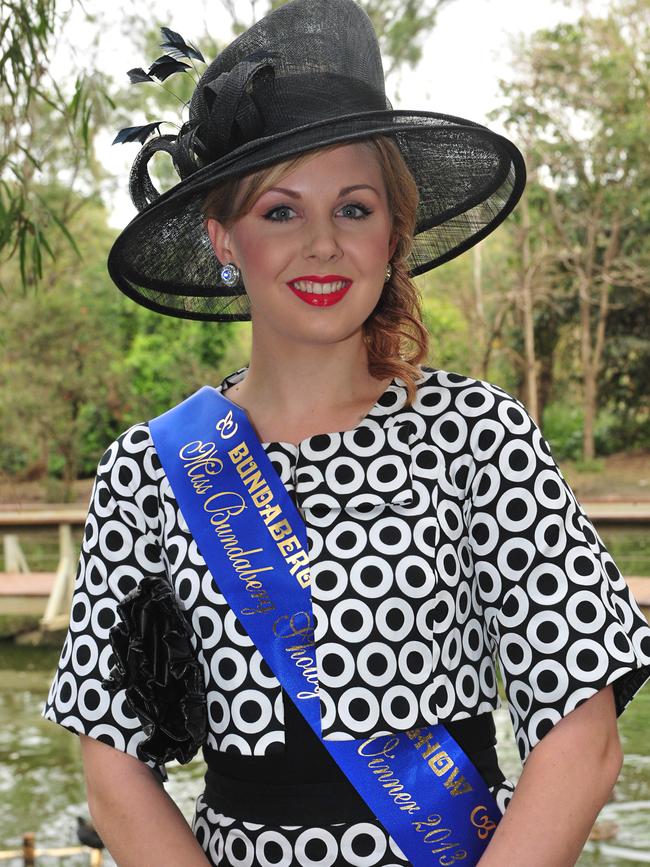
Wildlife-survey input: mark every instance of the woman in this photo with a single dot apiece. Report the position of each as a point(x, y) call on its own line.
point(441, 533)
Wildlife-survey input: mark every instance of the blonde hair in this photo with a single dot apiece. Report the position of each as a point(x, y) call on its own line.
point(396, 320)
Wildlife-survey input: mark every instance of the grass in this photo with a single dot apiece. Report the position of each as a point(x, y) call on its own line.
point(13, 624)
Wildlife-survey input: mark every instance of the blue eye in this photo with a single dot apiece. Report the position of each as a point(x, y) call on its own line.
point(269, 214)
point(364, 211)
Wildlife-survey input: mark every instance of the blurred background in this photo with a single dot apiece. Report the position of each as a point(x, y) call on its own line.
point(554, 307)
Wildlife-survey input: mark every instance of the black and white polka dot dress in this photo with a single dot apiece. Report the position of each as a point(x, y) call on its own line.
point(442, 537)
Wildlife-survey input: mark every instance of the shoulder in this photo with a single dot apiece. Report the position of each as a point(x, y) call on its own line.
point(475, 417)
point(132, 452)
point(440, 391)
point(128, 487)
point(453, 382)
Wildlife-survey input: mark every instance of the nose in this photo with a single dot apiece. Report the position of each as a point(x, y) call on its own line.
point(321, 240)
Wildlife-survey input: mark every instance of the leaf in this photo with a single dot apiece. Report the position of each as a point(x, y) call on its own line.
point(30, 157)
point(37, 258)
point(85, 126)
point(62, 226)
point(40, 93)
point(165, 66)
point(178, 46)
point(13, 168)
point(46, 244)
point(103, 93)
point(23, 270)
point(136, 133)
point(137, 74)
point(74, 102)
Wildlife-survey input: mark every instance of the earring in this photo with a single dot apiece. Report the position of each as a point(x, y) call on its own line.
point(389, 272)
point(230, 275)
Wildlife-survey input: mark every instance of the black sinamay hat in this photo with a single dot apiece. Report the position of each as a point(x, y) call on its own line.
point(307, 75)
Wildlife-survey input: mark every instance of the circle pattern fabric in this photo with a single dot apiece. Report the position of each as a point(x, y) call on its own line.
point(443, 540)
point(229, 842)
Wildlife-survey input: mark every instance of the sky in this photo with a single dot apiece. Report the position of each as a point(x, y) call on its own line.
point(463, 58)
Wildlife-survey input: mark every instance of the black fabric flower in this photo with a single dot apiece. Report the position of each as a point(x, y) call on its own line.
point(157, 665)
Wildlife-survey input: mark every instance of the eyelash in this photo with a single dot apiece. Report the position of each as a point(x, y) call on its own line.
point(365, 211)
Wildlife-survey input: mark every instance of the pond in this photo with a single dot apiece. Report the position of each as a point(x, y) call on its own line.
point(42, 788)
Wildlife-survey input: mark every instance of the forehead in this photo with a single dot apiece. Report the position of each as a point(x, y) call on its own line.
point(355, 161)
point(322, 173)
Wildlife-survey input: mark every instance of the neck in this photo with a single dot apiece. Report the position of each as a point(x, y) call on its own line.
point(310, 379)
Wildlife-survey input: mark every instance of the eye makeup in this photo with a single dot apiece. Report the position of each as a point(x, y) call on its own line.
point(365, 211)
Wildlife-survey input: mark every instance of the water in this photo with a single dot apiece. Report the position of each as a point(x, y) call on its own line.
point(42, 788)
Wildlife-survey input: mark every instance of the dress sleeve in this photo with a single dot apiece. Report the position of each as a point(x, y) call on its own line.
point(121, 544)
point(559, 615)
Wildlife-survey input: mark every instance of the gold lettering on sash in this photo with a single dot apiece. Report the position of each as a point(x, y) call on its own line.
point(270, 513)
point(238, 452)
point(278, 526)
point(480, 819)
point(384, 772)
point(227, 427)
point(440, 763)
point(287, 545)
point(261, 498)
point(280, 530)
point(439, 839)
point(300, 558)
point(301, 626)
point(243, 466)
point(438, 836)
point(222, 511)
point(459, 786)
point(415, 733)
point(200, 462)
point(255, 480)
point(304, 577)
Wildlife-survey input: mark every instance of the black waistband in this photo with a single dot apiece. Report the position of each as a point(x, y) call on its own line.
point(304, 803)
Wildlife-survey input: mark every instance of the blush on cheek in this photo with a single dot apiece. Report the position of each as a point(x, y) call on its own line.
point(379, 254)
point(256, 254)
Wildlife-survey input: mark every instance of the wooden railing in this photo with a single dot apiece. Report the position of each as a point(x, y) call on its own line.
point(28, 854)
point(20, 585)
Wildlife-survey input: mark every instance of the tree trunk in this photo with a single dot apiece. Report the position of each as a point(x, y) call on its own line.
point(545, 383)
point(530, 361)
point(589, 407)
point(70, 473)
point(588, 370)
point(592, 351)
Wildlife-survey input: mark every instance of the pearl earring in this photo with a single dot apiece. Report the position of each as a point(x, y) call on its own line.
point(389, 272)
point(230, 275)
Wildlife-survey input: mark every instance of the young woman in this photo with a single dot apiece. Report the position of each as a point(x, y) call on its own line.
point(442, 535)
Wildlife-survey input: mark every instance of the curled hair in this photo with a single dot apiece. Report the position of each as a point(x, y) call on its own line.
point(395, 336)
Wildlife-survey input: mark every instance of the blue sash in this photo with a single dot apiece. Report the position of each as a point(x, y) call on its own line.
point(419, 783)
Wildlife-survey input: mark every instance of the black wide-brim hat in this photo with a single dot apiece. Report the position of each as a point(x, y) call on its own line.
point(307, 75)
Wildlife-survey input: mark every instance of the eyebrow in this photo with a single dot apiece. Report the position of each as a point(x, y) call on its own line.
point(343, 192)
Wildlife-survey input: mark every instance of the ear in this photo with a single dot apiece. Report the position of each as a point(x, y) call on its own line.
point(220, 239)
point(392, 247)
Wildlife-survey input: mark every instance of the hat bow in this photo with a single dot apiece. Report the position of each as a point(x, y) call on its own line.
point(231, 118)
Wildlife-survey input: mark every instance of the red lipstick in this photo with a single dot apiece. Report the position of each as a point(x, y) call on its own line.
point(322, 278)
point(321, 300)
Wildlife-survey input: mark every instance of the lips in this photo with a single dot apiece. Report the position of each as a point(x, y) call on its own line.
point(335, 282)
point(303, 288)
point(327, 278)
